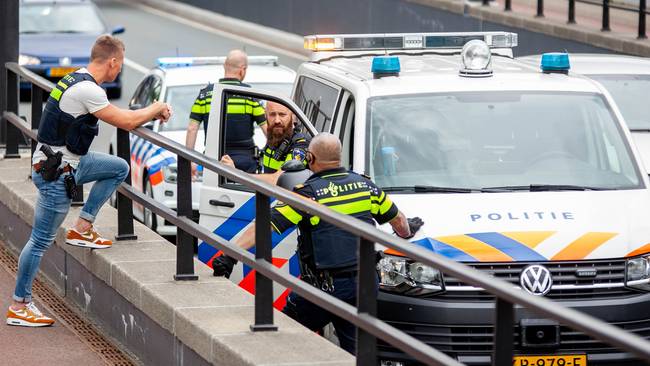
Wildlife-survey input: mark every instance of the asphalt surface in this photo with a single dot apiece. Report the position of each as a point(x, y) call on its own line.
point(54, 345)
point(151, 34)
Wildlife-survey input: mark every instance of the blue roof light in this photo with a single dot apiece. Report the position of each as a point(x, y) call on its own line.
point(385, 66)
point(555, 62)
point(169, 62)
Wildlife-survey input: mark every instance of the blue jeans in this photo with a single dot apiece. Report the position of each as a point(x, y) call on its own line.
point(52, 206)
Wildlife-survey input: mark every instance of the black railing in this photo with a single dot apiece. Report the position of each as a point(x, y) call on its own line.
point(606, 6)
point(364, 315)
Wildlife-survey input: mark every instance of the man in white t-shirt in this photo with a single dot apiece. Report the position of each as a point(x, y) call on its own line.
point(67, 128)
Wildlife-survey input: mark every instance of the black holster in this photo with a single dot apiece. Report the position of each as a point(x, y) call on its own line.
point(50, 167)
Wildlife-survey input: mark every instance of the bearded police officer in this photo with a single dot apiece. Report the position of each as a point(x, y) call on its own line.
point(61, 161)
point(328, 255)
point(242, 114)
point(284, 143)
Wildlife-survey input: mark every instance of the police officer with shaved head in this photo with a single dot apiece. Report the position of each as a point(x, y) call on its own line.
point(328, 255)
point(242, 115)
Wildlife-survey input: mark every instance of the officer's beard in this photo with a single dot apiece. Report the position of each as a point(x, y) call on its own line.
point(275, 137)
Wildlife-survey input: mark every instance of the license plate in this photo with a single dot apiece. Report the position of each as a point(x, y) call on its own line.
point(564, 360)
point(61, 71)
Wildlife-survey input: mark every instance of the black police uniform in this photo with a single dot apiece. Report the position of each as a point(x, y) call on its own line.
point(328, 255)
point(292, 149)
point(241, 115)
point(58, 128)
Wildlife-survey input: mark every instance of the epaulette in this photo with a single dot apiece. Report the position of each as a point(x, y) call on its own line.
point(299, 186)
point(365, 176)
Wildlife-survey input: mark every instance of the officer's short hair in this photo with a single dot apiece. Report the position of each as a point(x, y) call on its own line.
point(106, 47)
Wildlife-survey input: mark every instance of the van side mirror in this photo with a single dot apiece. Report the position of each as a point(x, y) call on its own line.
point(135, 106)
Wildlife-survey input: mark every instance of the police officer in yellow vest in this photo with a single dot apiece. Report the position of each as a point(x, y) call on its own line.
point(284, 143)
point(328, 255)
point(242, 115)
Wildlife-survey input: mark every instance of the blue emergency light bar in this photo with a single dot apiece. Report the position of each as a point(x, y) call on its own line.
point(171, 62)
point(406, 41)
point(555, 62)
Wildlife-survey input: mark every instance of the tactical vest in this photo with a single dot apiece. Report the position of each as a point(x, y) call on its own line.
point(58, 128)
point(239, 116)
point(273, 158)
point(329, 247)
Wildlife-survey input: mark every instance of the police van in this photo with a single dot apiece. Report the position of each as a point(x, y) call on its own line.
point(526, 173)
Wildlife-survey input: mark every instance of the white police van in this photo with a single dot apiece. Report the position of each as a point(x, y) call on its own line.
point(627, 79)
point(524, 173)
point(177, 81)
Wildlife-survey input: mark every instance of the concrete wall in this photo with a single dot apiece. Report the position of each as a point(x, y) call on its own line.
point(375, 16)
point(130, 292)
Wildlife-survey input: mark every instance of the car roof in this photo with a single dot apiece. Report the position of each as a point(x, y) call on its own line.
point(55, 1)
point(602, 64)
point(430, 73)
point(197, 75)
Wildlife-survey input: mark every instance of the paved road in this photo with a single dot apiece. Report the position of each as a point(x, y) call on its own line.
point(55, 345)
point(151, 34)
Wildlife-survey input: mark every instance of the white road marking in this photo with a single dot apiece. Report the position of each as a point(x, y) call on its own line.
point(135, 66)
point(215, 31)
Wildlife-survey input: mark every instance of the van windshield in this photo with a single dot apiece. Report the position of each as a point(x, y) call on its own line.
point(497, 139)
point(631, 95)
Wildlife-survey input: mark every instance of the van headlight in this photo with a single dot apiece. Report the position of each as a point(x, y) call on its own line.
point(637, 273)
point(170, 173)
point(398, 274)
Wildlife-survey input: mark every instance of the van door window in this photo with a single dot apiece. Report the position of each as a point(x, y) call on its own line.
point(318, 101)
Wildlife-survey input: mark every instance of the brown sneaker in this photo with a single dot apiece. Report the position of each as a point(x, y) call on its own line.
point(29, 316)
point(89, 239)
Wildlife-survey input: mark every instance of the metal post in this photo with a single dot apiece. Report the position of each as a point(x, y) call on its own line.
point(504, 329)
point(124, 204)
point(263, 251)
point(12, 132)
point(642, 34)
point(367, 301)
point(540, 9)
point(8, 51)
point(572, 12)
point(37, 111)
point(605, 27)
point(508, 6)
point(184, 241)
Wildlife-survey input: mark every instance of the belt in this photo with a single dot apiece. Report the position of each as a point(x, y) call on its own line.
point(37, 167)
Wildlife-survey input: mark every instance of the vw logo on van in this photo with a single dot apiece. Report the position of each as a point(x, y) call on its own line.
point(536, 280)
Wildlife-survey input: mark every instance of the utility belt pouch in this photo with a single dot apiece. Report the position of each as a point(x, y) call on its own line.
point(70, 185)
point(50, 166)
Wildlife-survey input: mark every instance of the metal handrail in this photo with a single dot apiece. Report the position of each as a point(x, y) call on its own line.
point(369, 325)
point(641, 10)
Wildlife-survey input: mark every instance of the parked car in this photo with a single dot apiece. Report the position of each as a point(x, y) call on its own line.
point(56, 37)
point(177, 81)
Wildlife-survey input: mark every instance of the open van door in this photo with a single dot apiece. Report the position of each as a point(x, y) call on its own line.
point(228, 208)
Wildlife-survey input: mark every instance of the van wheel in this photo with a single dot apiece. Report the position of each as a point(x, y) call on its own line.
point(149, 218)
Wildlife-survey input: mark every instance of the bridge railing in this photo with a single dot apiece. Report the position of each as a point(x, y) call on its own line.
point(606, 5)
point(364, 314)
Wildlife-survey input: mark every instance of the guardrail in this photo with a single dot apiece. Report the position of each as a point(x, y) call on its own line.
point(364, 315)
point(641, 10)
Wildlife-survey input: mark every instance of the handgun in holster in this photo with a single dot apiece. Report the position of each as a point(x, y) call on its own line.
point(50, 167)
